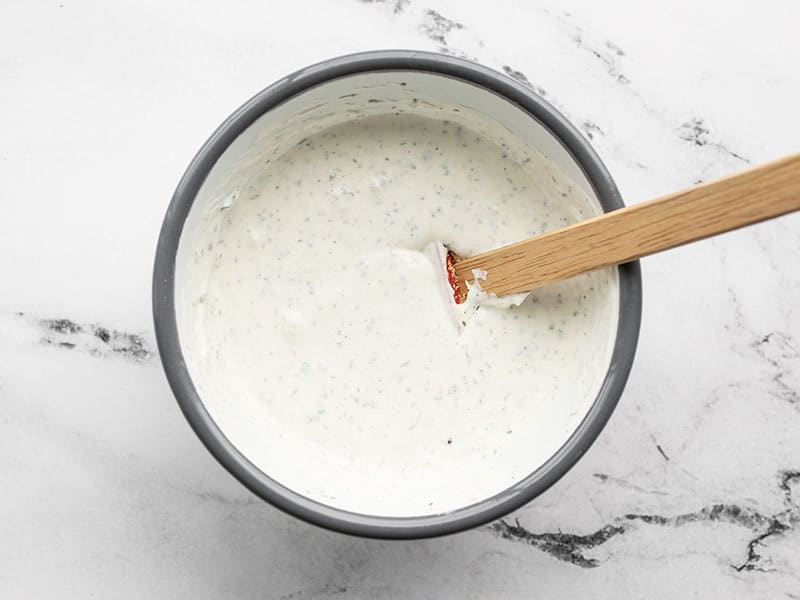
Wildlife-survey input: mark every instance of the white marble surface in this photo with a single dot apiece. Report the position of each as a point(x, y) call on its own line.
point(692, 490)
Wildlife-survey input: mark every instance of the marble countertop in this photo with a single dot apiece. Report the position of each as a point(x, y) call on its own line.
point(693, 489)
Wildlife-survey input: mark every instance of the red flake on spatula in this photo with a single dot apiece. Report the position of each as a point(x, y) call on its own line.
point(452, 279)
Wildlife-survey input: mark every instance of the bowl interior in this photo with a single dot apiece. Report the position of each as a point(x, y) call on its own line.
point(319, 106)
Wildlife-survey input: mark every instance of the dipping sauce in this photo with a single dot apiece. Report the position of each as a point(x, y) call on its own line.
point(316, 332)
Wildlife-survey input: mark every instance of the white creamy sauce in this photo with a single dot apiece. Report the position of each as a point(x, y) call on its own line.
point(315, 328)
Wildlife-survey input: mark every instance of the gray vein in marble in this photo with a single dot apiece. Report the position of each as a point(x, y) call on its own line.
point(768, 257)
point(622, 483)
point(591, 129)
point(436, 26)
point(778, 525)
point(659, 449)
point(606, 57)
point(567, 547)
point(455, 52)
point(397, 5)
point(523, 79)
point(661, 452)
point(614, 48)
point(753, 562)
point(570, 547)
point(518, 75)
point(216, 498)
point(696, 132)
point(776, 348)
point(94, 339)
point(787, 478)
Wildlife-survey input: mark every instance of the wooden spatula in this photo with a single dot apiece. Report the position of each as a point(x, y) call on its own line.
point(629, 233)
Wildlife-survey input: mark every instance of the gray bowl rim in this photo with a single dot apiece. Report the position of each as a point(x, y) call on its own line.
point(236, 463)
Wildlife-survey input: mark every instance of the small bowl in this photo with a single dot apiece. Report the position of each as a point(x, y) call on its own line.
point(516, 107)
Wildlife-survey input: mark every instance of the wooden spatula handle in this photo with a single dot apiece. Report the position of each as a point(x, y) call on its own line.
point(624, 235)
